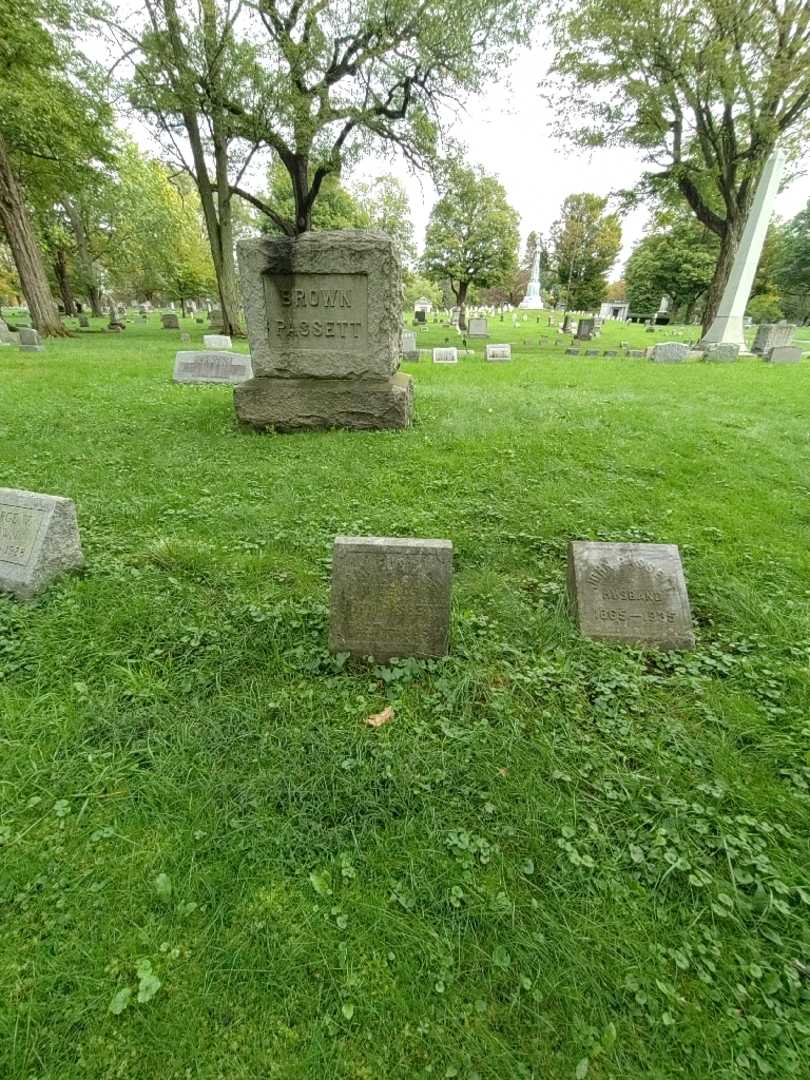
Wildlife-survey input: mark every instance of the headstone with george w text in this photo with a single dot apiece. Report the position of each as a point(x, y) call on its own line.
point(324, 314)
point(39, 540)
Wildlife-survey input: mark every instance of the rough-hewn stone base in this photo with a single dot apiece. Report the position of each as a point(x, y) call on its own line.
point(311, 404)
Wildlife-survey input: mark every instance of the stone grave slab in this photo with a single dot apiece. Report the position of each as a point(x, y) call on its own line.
point(29, 340)
point(445, 356)
point(477, 328)
point(498, 353)
point(319, 404)
point(170, 321)
point(610, 352)
point(637, 352)
point(572, 352)
point(218, 342)
point(634, 593)
point(408, 345)
point(390, 597)
point(39, 539)
point(206, 366)
point(771, 335)
point(722, 352)
point(593, 352)
point(670, 352)
point(784, 354)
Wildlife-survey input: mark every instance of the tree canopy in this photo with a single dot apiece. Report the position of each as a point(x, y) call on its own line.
point(585, 241)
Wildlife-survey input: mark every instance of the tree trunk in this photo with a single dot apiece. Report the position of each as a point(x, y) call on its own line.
point(183, 306)
point(298, 168)
point(230, 299)
point(88, 269)
point(27, 257)
point(63, 280)
point(461, 300)
point(729, 243)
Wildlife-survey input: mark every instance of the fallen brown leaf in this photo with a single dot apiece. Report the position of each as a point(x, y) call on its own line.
point(380, 718)
point(503, 772)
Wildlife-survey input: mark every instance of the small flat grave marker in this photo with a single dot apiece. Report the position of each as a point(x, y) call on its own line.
point(784, 354)
point(39, 539)
point(390, 597)
point(217, 342)
point(633, 593)
point(670, 352)
point(499, 353)
point(722, 352)
point(206, 366)
point(445, 356)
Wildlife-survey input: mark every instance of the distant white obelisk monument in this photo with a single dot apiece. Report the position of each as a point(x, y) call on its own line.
point(728, 322)
point(533, 300)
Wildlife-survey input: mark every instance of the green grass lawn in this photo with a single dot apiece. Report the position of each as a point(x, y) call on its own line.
point(560, 859)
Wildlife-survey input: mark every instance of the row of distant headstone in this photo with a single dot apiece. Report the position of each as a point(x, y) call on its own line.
point(390, 596)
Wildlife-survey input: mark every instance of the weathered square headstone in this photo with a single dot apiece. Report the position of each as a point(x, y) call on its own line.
point(170, 321)
point(324, 313)
point(632, 593)
point(670, 352)
point(586, 329)
point(207, 366)
point(29, 340)
point(722, 352)
point(390, 597)
point(572, 352)
point(84, 322)
point(499, 353)
point(477, 328)
point(771, 335)
point(445, 356)
point(784, 354)
point(219, 342)
point(39, 539)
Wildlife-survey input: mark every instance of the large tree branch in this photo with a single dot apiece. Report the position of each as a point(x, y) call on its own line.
point(286, 226)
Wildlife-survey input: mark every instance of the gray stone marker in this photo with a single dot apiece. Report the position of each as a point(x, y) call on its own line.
point(722, 352)
point(170, 321)
point(610, 352)
point(670, 352)
point(572, 352)
point(206, 366)
point(632, 593)
point(784, 354)
point(29, 340)
point(593, 352)
point(390, 597)
point(770, 335)
point(219, 342)
point(324, 316)
point(445, 356)
point(498, 353)
point(636, 352)
point(586, 329)
point(84, 322)
point(408, 345)
point(477, 328)
point(39, 539)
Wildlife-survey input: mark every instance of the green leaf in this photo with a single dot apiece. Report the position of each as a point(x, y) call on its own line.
point(348, 1010)
point(321, 882)
point(501, 958)
point(120, 1001)
point(148, 987)
point(582, 1069)
point(163, 886)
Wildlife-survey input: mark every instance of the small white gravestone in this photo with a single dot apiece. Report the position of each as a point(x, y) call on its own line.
point(477, 328)
point(499, 353)
point(634, 593)
point(39, 539)
point(784, 354)
point(408, 345)
point(29, 340)
point(217, 342)
point(670, 352)
point(211, 367)
point(445, 356)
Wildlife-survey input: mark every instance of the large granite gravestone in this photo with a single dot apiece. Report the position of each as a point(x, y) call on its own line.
point(390, 597)
point(784, 354)
point(211, 367)
point(632, 593)
point(39, 539)
point(445, 356)
point(219, 342)
point(586, 329)
point(670, 352)
point(29, 340)
point(771, 335)
point(323, 315)
point(499, 353)
point(170, 321)
point(477, 328)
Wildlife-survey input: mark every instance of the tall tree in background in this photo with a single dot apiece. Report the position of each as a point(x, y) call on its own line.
point(52, 125)
point(791, 271)
point(704, 88)
point(585, 241)
point(472, 237)
point(676, 259)
point(385, 202)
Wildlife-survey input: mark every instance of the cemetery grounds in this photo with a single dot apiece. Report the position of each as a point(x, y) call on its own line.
point(558, 859)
